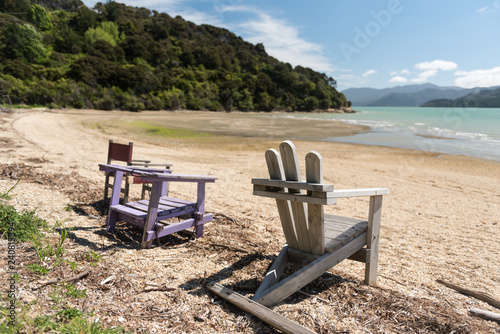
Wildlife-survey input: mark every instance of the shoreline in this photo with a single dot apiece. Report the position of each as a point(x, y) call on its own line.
point(190, 120)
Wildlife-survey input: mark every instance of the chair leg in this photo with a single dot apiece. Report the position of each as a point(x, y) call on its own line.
point(106, 187)
point(111, 222)
point(373, 236)
point(125, 192)
point(152, 215)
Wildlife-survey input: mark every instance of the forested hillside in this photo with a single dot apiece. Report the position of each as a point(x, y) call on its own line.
point(59, 53)
point(485, 98)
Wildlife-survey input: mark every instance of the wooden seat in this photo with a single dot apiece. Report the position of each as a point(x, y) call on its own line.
point(315, 241)
point(123, 153)
point(152, 214)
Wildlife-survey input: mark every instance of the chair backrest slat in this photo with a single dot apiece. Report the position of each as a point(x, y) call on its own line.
point(284, 209)
point(315, 212)
point(292, 173)
point(120, 152)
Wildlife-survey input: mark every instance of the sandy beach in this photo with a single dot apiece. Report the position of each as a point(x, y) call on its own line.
point(440, 221)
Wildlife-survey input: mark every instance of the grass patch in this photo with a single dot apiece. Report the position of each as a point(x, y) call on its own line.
point(165, 132)
point(17, 226)
point(27, 227)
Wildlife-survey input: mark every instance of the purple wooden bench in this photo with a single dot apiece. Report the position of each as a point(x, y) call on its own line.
point(151, 214)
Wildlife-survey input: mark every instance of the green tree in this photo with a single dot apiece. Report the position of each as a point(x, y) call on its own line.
point(107, 31)
point(25, 43)
point(38, 16)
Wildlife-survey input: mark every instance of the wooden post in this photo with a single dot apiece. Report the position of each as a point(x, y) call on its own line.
point(149, 223)
point(315, 212)
point(200, 209)
point(372, 239)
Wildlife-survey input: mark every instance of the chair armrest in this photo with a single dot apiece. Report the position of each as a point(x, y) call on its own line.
point(176, 178)
point(342, 193)
point(146, 164)
point(131, 169)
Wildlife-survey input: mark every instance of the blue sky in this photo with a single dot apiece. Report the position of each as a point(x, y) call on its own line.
point(363, 43)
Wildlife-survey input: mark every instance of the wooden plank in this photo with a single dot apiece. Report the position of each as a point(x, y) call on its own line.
point(315, 212)
point(359, 192)
point(312, 194)
point(275, 169)
point(292, 173)
point(128, 210)
point(295, 198)
point(293, 184)
point(168, 199)
point(363, 255)
point(372, 242)
point(268, 316)
point(307, 274)
point(274, 273)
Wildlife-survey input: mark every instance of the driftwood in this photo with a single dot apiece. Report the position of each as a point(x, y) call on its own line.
point(69, 279)
point(161, 288)
point(265, 314)
point(473, 293)
point(485, 314)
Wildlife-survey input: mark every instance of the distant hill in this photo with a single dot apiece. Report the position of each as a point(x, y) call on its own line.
point(59, 53)
point(403, 96)
point(485, 98)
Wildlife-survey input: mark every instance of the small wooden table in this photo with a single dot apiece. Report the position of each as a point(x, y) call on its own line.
point(151, 214)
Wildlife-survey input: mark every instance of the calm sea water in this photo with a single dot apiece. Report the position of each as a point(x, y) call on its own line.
point(473, 132)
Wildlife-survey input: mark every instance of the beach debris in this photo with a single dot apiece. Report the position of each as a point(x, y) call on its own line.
point(487, 315)
point(70, 279)
point(473, 293)
point(263, 313)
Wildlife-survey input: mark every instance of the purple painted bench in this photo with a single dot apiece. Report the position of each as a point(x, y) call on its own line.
point(148, 213)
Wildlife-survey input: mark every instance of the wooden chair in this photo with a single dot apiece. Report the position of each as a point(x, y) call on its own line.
point(123, 153)
point(314, 240)
point(155, 215)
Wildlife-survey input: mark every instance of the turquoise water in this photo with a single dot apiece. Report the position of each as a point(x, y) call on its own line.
point(468, 131)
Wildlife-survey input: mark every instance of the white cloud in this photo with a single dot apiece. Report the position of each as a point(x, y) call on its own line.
point(478, 78)
point(493, 9)
point(368, 73)
point(283, 42)
point(398, 79)
point(424, 76)
point(405, 71)
point(393, 73)
point(442, 65)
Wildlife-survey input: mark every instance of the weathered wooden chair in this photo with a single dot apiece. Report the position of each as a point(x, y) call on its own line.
point(123, 153)
point(152, 214)
point(315, 240)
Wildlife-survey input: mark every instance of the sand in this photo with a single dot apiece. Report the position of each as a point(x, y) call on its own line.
point(440, 221)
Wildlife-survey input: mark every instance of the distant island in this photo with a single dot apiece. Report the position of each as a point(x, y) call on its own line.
point(61, 54)
point(425, 95)
point(486, 98)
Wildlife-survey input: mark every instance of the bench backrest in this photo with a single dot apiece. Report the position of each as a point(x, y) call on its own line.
point(120, 152)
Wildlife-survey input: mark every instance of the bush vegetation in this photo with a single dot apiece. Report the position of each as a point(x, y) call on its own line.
point(62, 54)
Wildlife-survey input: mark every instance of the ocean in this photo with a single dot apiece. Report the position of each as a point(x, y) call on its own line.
point(467, 131)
